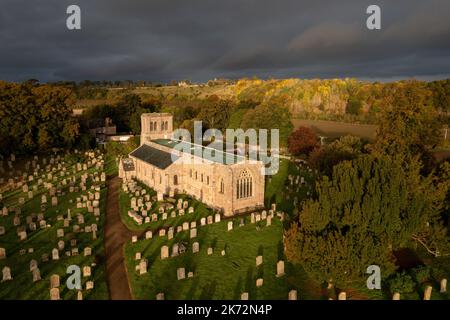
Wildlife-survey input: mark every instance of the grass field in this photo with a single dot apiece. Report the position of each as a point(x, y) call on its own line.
point(217, 276)
point(44, 240)
point(335, 129)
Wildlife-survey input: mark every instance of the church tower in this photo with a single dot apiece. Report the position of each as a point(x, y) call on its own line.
point(156, 126)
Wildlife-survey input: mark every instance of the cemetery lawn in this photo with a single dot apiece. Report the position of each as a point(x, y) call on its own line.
point(217, 276)
point(44, 240)
point(200, 211)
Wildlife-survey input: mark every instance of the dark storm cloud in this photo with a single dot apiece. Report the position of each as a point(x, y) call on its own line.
point(162, 40)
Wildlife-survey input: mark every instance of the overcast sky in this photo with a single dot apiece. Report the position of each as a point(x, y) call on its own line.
point(163, 40)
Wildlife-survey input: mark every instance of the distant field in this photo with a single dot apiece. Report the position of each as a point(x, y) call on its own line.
point(197, 91)
point(336, 129)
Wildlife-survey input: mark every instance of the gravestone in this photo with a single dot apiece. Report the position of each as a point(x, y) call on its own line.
point(87, 251)
point(2, 253)
point(269, 221)
point(162, 232)
point(181, 274)
point(244, 296)
point(217, 218)
point(33, 264)
point(54, 281)
point(280, 268)
point(133, 239)
point(164, 252)
point(443, 285)
point(209, 219)
point(60, 233)
point(60, 245)
point(175, 250)
point(86, 271)
point(396, 296)
point(170, 234)
point(148, 235)
point(138, 256)
point(292, 295)
point(252, 218)
point(160, 296)
point(210, 251)
point(6, 271)
point(193, 233)
point(185, 226)
point(36, 275)
point(55, 254)
point(89, 285)
point(259, 261)
point(342, 295)
point(259, 282)
point(142, 267)
point(54, 294)
point(195, 247)
point(2, 230)
point(203, 221)
point(22, 235)
point(427, 293)
point(230, 225)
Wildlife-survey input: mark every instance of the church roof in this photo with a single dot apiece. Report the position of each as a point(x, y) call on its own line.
point(158, 158)
point(214, 155)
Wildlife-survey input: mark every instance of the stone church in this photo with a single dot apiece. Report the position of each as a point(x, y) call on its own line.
point(231, 188)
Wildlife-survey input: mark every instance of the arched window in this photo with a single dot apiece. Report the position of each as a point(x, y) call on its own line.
point(175, 180)
point(151, 126)
point(155, 126)
point(166, 126)
point(244, 185)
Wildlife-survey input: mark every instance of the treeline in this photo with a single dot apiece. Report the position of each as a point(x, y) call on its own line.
point(35, 117)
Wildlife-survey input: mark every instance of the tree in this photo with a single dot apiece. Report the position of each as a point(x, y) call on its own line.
point(215, 112)
point(401, 283)
point(345, 148)
point(370, 207)
point(302, 141)
point(35, 117)
point(408, 123)
point(269, 117)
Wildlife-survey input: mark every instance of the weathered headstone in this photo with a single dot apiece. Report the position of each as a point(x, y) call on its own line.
point(443, 284)
point(259, 261)
point(427, 293)
point(342, 295)
point(54, 281)
point(244, 296)
point(230, 225)
point(36, 275)
point(55, 254)
point(6, 272)
point(292, 295)
point(54, 294)
point(396, 296)
point(195, 247)
point(164, 252)
point(259, 282)
point(193, 233)
point(181, 273)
